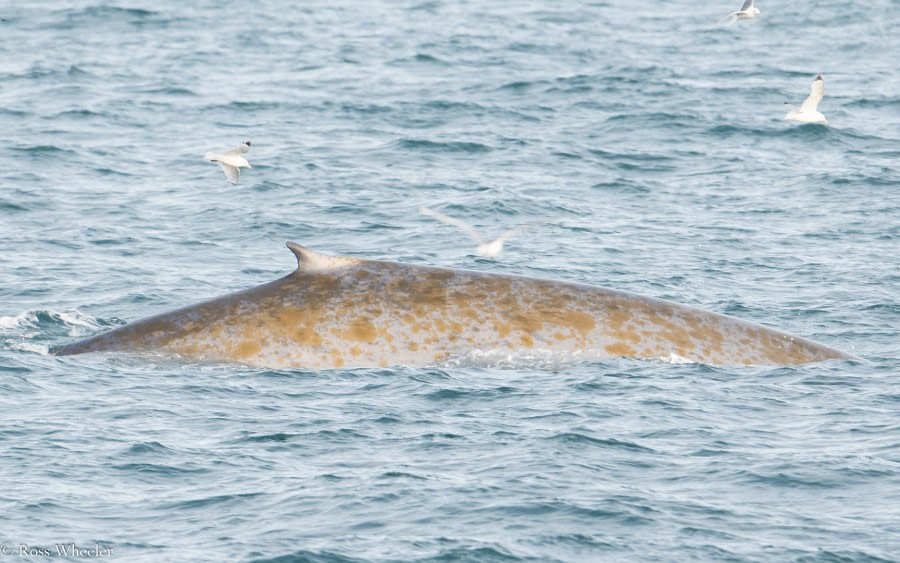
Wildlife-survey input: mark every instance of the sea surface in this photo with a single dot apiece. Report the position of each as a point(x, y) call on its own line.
point(651, 156)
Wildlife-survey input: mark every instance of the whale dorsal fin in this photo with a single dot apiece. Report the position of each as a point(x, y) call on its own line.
point(310, 260)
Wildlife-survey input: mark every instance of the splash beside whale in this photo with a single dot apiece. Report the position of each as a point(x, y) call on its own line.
point(346, 312)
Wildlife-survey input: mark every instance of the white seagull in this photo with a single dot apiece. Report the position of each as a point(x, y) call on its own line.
point(232, 161)
point(488, 249)
point(747, 12)
point(808, 112)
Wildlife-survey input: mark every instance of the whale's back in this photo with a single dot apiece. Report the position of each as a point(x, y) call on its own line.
point(335, 312)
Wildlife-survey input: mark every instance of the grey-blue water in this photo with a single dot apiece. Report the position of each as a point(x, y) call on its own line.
point(654, 153)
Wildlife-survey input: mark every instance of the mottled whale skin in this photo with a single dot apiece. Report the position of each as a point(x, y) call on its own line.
point(336, 312)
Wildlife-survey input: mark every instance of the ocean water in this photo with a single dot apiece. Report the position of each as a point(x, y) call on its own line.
point(652, 153)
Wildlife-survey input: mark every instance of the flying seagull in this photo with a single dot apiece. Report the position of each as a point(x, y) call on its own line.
point(232, 161)
point(488, 249)
point(748, 11)
point(808, 112)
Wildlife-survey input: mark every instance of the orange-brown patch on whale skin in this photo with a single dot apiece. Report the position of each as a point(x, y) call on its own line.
point(503, 329)
point(360, 330)
point(384, 333)
point(527, 321)
point(246, 349)
point(620, 349)
point(573, 319)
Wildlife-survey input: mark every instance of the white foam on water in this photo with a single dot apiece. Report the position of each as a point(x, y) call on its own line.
point(27, 346)
point(542, 359)
point(673, 358)
point(27, 323)
point(76, 319)
point(20, 320)
point(522, 359)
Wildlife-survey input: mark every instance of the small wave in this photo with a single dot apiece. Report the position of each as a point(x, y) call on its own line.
point(426, 58)
point(43, 150)
point(240, 106)
point(310, 556)
point(158, 469)
point(107, 11)
point(781, 479)
point(169, 91)
point(103, 171)
point(79, 114)
point(277, 437)
point(523, 85)
point(107, 15)
point(34, 331)
point(610, 511)
point(365, 108)
point(209, 501)
point(581, 439)
point(14, 112)
point(873, 103)
point(578, 540)
point(484, 553)
point(622, 185)
point(401, 475)
point(447, 394)
point(418, 58)
point(636, 157)
point(434, 146)
point(453, 105)
point(801, 131)
point(431, 7)
point(142, 448)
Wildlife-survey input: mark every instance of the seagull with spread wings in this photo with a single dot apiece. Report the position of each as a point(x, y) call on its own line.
point(486, 248)
point(748, 11)
point(232, 161)
point(808, 112)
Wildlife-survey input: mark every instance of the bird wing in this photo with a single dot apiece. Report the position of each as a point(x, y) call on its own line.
point(514, 231)
point(815, 96)
point(234, 152)
point(746, 5)
point(233, 173)
point(456, 222)
point(732, 17)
